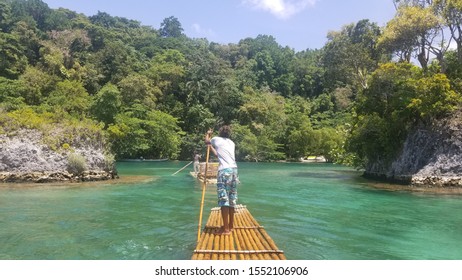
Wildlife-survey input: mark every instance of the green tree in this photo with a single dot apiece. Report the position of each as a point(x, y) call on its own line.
point(38, 85)
point(10, 94)
point(250, 147)
point(137, 88)
point(35, 11)
point(351, 54)
point(226, 100)
point(12, 59)
point(412, 30)
point(451, 12)
point(400, 96)
point(60, 19)
point(116, 61)
point(166, 70)
point(196, 121)
point(308, 74)
point(271, 63)
point(330, 143)
point(368, 141)
point(264, 112)
point(5, 16)
point(29, 38)
point(171, 27)
point(156, 135)
point(454, 70)
point(300, 139)
point(107, 104)
point(71, 96)
point(434, 97)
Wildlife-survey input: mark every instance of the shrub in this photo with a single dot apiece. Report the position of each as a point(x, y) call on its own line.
point(109, 163)
point(76, 164)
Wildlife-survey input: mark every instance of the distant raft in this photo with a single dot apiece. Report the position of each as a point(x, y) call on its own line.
point(212, 170)
point(248, 240)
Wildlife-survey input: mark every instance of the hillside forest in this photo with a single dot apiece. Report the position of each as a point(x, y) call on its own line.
point(153, 92)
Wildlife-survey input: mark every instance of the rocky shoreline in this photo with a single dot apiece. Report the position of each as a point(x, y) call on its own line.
point(431, 157)
point(25, 158)
point(54, 177)
point(418, 182)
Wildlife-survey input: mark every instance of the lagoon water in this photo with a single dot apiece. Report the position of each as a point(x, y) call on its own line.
point(312, 212)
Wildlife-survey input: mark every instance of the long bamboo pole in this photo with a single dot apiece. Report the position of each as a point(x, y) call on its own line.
point(204, 184)
point(182, 168)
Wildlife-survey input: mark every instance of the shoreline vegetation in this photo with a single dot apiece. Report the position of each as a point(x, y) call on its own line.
point(78, 92)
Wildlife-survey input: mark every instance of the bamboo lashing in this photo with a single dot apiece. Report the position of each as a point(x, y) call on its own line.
point(248, 240)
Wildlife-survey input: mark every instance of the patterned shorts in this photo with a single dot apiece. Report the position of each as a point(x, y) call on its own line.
point(227, 187)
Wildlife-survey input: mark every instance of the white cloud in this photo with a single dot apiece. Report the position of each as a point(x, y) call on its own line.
point(202, 31)
point(280, 8)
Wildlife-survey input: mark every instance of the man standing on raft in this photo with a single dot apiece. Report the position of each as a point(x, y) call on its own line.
point(227, 177)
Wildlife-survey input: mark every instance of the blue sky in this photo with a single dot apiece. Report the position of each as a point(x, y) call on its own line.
point(299, 24)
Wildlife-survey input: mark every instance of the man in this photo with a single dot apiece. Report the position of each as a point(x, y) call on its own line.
point(197, 156)
point(227, 178)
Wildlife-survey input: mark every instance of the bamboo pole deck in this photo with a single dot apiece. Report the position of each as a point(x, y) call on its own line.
point(248, 240)
point(207, 173)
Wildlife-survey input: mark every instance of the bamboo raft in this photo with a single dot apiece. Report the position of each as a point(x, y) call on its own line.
point(248, 240)
point(211, 177)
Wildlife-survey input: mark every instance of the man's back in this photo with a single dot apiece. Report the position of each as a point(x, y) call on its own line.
point(225, 152)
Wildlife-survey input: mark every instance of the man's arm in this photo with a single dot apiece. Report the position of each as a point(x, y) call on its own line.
point(208, 138)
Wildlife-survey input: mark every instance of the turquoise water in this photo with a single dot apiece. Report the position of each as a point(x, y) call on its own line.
point(312, 212)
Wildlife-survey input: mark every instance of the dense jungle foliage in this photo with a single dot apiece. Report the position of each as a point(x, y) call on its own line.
point(153, 93)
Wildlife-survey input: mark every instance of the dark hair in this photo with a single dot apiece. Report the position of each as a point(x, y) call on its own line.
point(225, 131)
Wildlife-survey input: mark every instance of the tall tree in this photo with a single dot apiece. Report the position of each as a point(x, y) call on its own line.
point(416, 30)
point(5, 16)
point(308, 74)
point(137, 88)
point(31, 11)
point(12, 59)
point(451, 12)
point(107, 104)
point(171, 27)
point(71, 96)
point(351, 54)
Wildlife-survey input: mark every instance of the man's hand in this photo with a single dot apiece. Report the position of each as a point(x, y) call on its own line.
point(208, 136)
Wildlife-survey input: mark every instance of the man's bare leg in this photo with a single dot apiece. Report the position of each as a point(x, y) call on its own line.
point(231, 218)
point(225, 215)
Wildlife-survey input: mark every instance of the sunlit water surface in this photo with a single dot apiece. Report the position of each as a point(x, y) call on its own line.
point(312, 212)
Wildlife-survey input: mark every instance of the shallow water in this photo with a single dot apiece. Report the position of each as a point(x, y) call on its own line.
point(312, 212)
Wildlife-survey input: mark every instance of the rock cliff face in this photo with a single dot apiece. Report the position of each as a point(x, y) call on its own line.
point(431, 156)
point(24, 158)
